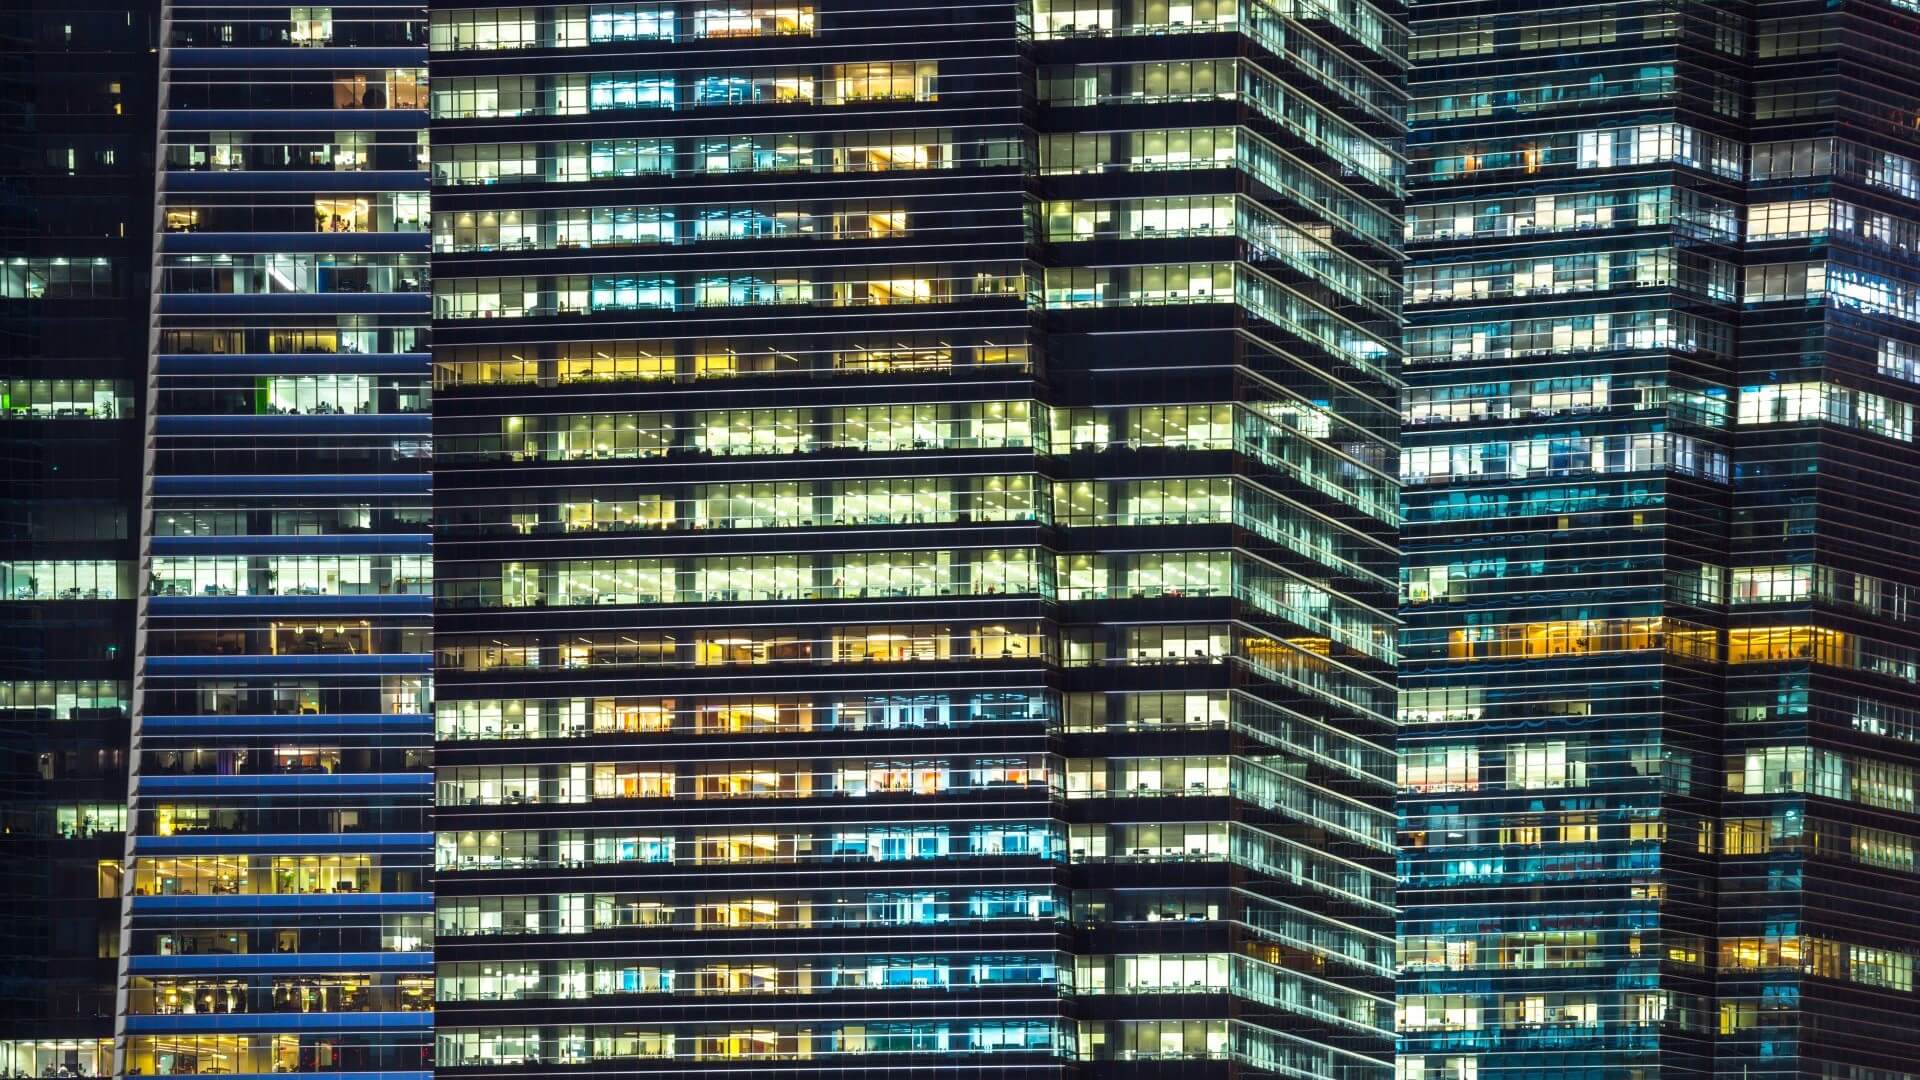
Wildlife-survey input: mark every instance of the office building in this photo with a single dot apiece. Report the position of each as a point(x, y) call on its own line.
point(76, 190)
point(277, 912)
point(914, 512)
point(1659, 666)
point(1816, 927)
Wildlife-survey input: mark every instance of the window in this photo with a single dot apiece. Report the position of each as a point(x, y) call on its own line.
point(1097, 18)
point(1799, 158)
point(1799, 218)
point(1785, 281)
point(487, 29)
point(72, 579)
point(1072, 18)
point(1436, 1067)
point(1161, 973)
point(59, 278)
point(1548, 950)
point(630, 90)
point(1199, 215)
point(1772, 770)
point(65, 399)
point(626, 157)
point(1139, 286)
point(634, 20)
point(63, 700)
point(1445, 40)
point(1785, 98)
point(885, 80)
point(1434, 769)
point(1804, 402)
point(1795, 36)
point(1436, 952)
point(1440, 705)
point(407, 88)
point(353, 213)
point(1560, 275)
point(1885, 784)
point(311, 26)
point(1562, 29)
point(1550, 1010)
point(1888, 969)
point(1534, 766)
point(752, 20)
point(1879, 847)
point(1771, 584)
point(1439, 1012)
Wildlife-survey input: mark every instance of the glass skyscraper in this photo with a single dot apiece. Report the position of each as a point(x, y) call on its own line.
point(1818, 914)
point(277, 912)
point(914, 507)
point(1659, 666)
point(76, 191)
point(918, 491)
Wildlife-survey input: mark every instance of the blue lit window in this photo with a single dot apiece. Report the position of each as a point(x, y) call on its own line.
point(630, 157)
point(630, 22)
point(919, 971)
point(738, 223)
point(630, 293)
point(725, 291)
point(651, 849)
point(1010, 840)
point(722, 90)
point(1010, 904)
point(625, 90)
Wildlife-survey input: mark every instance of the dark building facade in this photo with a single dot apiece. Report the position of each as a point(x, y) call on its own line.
point(918, 504)
point(1659, 669)
point(76, 191)
point(277, 904)
point(914, 509)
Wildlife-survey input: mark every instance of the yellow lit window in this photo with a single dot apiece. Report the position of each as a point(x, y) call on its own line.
point(1755, 645)
point(343, 214)
point(1745, 836)
point(897, 80)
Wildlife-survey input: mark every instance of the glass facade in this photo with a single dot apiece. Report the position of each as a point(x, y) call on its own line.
point(1657, 770)
point(914, 505)
point(76, 190)
point(918, 492)
point(1818, 900)
point(278, 917)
